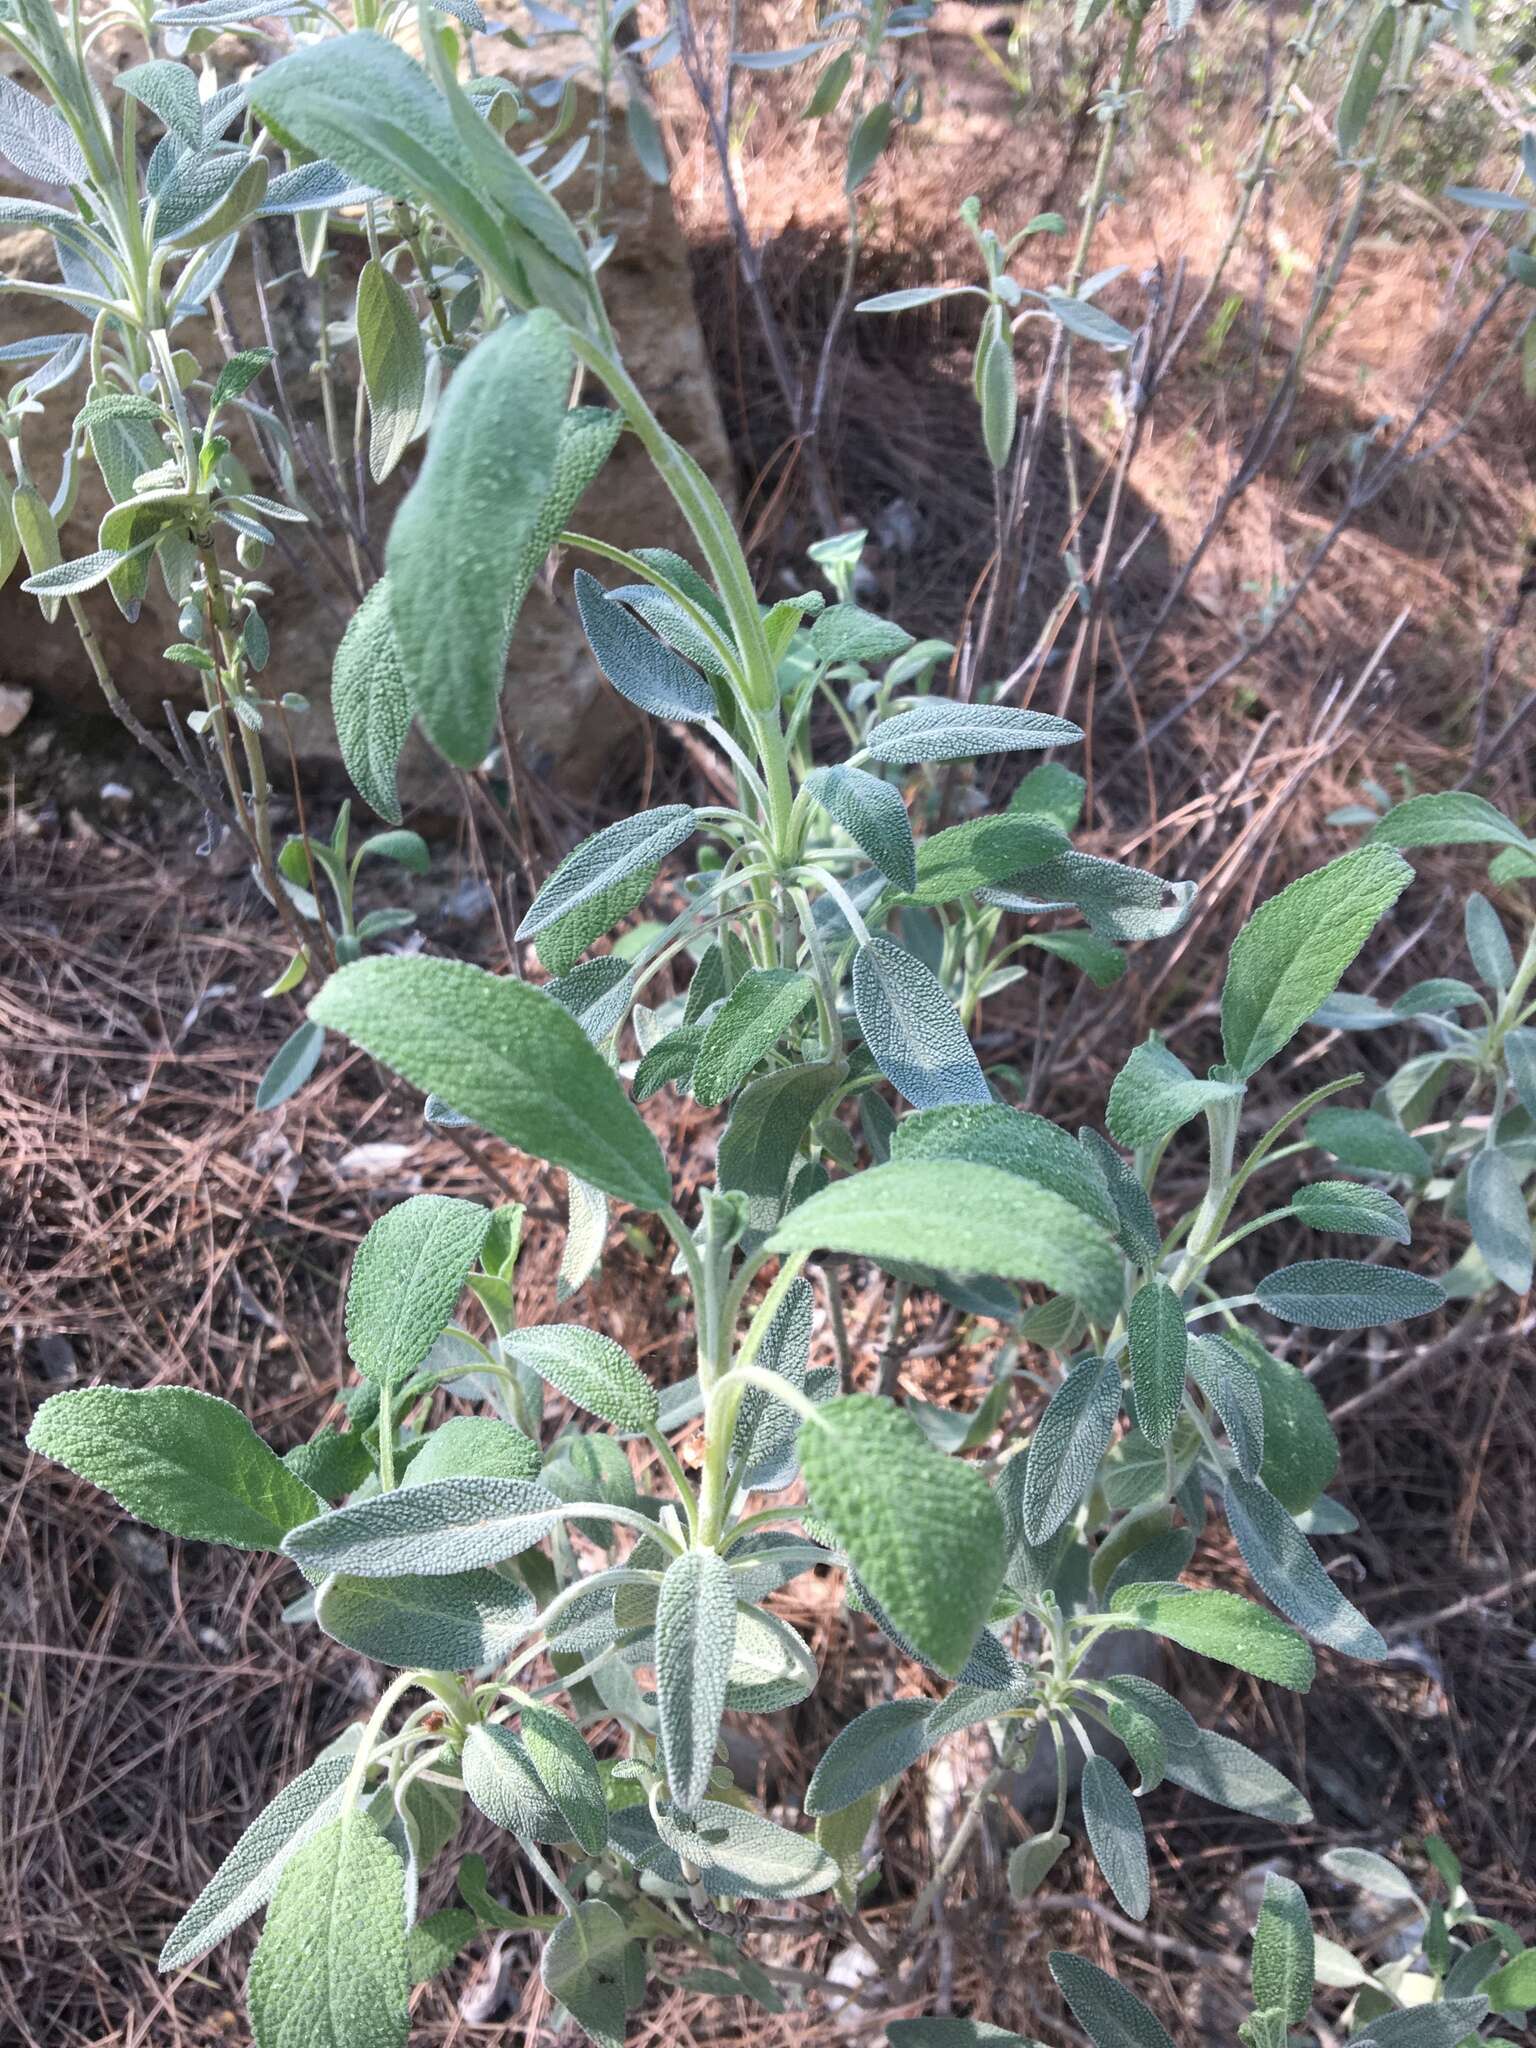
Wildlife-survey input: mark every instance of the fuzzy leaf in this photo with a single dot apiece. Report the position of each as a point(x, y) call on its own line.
point(873, 815)
point(474, 1447)
point(1221, 1625)
point(966, 1219)
point(740, 1852)
point(500, 1778)
point(695, 1642)
point(249, 1874)
point(872, 1749)
point(183, 1461)
point(1295, 949)
point(371, 703)
point(1500, 1220)
point(1452, 817)
point(1013, 1140)
point(1069, 1445)
point(760, 1144)
point(1108, 2014)
point(505, 1055)
point(972, 856)
point(589, 1369)
point(406, 1279)
point(1227, 1774)
point(1301, 1452)
point(1154, 1093)
point(568, 1771)
point(640, 667)
point(913, 1029)
point(1283, 1950)
point(1159, 1345)
point(1347, 1294)
point(330, 1968)
point(609, 860)
point(445, 1526)
point(1369, 1142)
point(922, 1530)
point(1286, 1568)
point(451, 1623)
point(942, 730)
point(1115, 1832)
point(393, 358)
point(583, 1967)
point(1349, 1209)
point(746, 1028)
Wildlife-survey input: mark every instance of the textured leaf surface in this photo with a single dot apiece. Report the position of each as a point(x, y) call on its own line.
point(1108, 2014)
point(739, 1851)
point(873, 815)
point(1013, 1140)
point(568, 1770)
point(981, 852)
point(1301, 1452)
point(583, 1966)
point(875, 1747)
point(1227, 1380)
point(765, 1428)
point(448, 1525)
point(634, 846)
point(941, 730)
point(1452, 817)
point(1224, 1626)
point(505, 1055)
point(1283, 1950)
point(1286, 1568)
point(1119, 902)
point(1424, 2026)
point(474, 1447)
point(913, 1029)
point(371, 703)
point(394, 365)
point(451, 1623)
point(1069, 1445)
point(1347, 1294)
point(1369, 1142)
point(921, 1529)
point(1349, 1209)
point(695, 1641)
point(1159, 1347)
point(1155, 1093)
point(465, 526)
point(1227, 1774)
point(330, 1968)
point(745, 1029)
point(966, 1219)
point(249, 1874)
point(590, 1369)
point(406, 1279)
point(500, 1778)
point(1501, 1223)
point(183, 1461)
point(1115, 1832)
point(760, 1144)
point(1295, 949)
point(639, 666)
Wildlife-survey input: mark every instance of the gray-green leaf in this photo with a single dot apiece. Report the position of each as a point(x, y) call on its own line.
point(913, 1029)
point(1116, 1834)
point(695, 1641)
point(1159, 1344)
point(745, 1029)
point(922, 1530)
point(1351, 1210)
point(465, 526)
point(966, 1219)
point(370, 702)
point(1069, 1445)
point(1283, 1950)
point(1286, 1568)
point(445, 1526)
point(942, 730)
point(590, 1369)
point(450, 1623)
point(1347, 1294)
point(639, 666)
point(393, 357)
point(249, 1874)
point(1154, 1093)
point(1500, 1220)
point(1109, 2015)
point(873, 815)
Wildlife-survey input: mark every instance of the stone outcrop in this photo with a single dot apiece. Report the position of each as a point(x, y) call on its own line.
point(572, 730)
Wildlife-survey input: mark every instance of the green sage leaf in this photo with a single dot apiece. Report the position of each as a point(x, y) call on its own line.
point(1283, 1951)
point(1500, 1220)
point(407, 1277)
point(1159, 1345)
point(1223, 1626)
point(444, 1526)
point(1349, 1209)
point(922, 1530)
point(746, 1027)
point(941, 730)
point(873, 815)
point(393, 358)
point(913, 1029)
point(505, 1055)
point(1286, 1568)
point(590, 1369)
point(1295, 949)
point(183, 1461)
point(371, 703)
point(1069, 1445)
point(1117, 1837)
point(330, 1968)
point(455, 1622)
point(1347, 1294)
point(1108, 2014)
